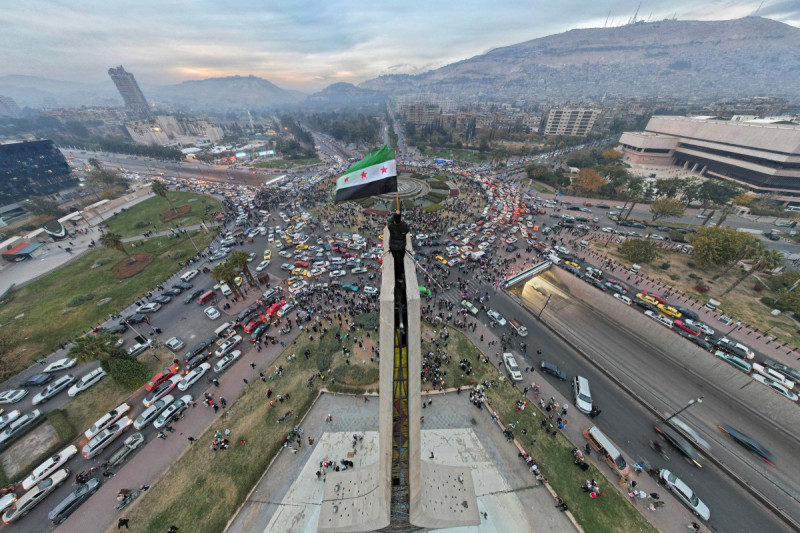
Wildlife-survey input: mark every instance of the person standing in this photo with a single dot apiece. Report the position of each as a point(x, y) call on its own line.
point(122, 522)
point(398, 229)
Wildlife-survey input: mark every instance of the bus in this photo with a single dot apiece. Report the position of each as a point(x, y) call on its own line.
point(206, 297)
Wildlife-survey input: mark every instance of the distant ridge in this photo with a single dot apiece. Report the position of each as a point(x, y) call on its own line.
point(226, 94)
point(687, 59)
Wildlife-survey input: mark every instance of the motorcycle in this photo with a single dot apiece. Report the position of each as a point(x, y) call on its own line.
point(125, 497)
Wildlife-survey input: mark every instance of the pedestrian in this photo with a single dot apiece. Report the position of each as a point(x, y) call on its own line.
point(252, 364)
point(245, 381)
point(191, 440)
point(122, 522)
point(161, 435)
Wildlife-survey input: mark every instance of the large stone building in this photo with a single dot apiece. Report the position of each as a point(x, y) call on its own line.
point(173, 131)
point(129, 90)
point(761, 155)
point(576, 122)
point(32, 168)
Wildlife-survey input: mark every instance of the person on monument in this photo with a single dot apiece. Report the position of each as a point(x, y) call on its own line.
point(398, 229)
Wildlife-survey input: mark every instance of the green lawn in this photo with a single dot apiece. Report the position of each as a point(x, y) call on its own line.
point(45, 312)
point(289, 163)
point(539, 187)
point(137, 220)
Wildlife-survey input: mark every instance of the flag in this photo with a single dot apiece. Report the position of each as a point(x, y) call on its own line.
point(375, 174)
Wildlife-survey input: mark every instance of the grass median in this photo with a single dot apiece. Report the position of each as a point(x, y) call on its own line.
point(146, 216)
point(203, 489)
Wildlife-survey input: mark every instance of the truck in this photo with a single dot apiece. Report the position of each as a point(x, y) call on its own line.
point(521, 330)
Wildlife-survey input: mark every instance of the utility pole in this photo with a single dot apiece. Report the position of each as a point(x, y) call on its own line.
point(688, 405)
point(545, 305)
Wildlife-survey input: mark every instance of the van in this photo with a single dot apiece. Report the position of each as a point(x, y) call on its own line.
point(583, 244)
point(713, 304)
point(188, 276)
point(606, 448)
point(224, 329)
point(736, 348)
point(635, 269)
point(582, 394)
point(226, 291)
point(206, 297)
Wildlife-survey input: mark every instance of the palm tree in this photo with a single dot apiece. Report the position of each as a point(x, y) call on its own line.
point(114, 242)
point(159, 189)
point(240, 260)
point(98, 347)
point(225, 272)
point(767, 260)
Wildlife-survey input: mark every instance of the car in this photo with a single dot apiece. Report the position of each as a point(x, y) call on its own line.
point(287, 266)
point(251, 257)
point(596, 283)
point(191, 297)
point(561, 250)
point(655, 296)
point(622, 298)
point(161, 377)
point(573, 264)
point(358, 270)
point(747, 442)
point(161, 390)
point(9, 417)
point(161, 299)
point(150, 414)
point(774, 385)
point(151, 307)
point(225, 361)
point(12, 396)
point(679, 442)
point(61, 364)
point(618, 289)
point(19, 426)
point(350, 287)
point(106, 420)
point(684, 493)
point(189, 275)
point(553, 370)
point(643, 296)
point(285, 310)
point(688, 328)
point(192, 377)
point(512, 367)
point(702, 343)
point(138, 348)
point(73, 500)
point(669, 310)
point(267, 254)
point(272, 309)
point(262, 265)
point(86, 382)
point(37, 380)
point(425, 291)
point(212, 312)
point(172, 410)
point(688, 313)
point(607, 230)
point(469, 306)
point(219, 254)
point(496, 317)
point(228, 345)
point(698, 326)
point(49, 466)
point(787, 371)
point(370, 290)
point(285, 254)
point(174, 344)
point(105, 437)
point(737, 362)
point(337, 273)
point(34, 496)
point(664, 321)
point(54, 388)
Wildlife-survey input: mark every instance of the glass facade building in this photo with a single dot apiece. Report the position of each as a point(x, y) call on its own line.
point(32, 168)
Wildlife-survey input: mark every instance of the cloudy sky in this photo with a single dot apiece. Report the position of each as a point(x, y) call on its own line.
point(305, 44)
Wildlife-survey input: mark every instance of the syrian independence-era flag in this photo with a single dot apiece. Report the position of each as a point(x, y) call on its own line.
point(375, 174)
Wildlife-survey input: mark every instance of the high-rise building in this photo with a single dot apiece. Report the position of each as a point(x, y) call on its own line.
point(32, 168)
point(129, 89)
point(565, 121)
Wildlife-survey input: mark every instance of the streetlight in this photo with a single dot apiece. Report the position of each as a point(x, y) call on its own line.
point(688, 405)
point(545, 305)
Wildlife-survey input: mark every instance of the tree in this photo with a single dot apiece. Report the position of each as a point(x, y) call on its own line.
point(225, 273)
point(721, 246)
point(767, 260)
point(667, 207)
point(589, 181)
point(639, 250)
point(745, 198)
point(240, 261)
point(127, 371)
point(611, 154)
point(114, 242)
point(39, 205)
point(159, 189)
point(100, 347)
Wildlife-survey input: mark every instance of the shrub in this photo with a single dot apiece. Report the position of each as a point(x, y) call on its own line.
point(367, 321)
point(674, 277)
point(758, 287)
point(702, 289)
point(691, 264)
point(127, 371)
point(695, 276)
point(78, 300)
point(665, 266)
point(140, 225)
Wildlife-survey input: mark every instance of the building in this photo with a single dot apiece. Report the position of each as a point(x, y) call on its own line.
point(420, 114)
point(8, 107)
point(577, 122)
point(166, 130)
point(32, 168)
point(760, 155)
point(129, 90)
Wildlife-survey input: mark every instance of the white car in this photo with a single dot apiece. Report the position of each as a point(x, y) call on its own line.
point(173, 409)
point(285, 310)
point(285, 254)
point(34, 496)
point(226, 361)
point(61, 364)
point(359, 270)
point(49, 466)
point(87, 381)
point(699, 325)
point(496, 317)
point(106, 420)
point(664, 321)
point(316, 272)
point(337, 273)
point(18, 426)
point(9, 417)
point(105, 437)
point(152, 307)
point(684, 493)
point(561, 250)
point(622, 298)
point(149, 414)
point(774, 385)
point(192, 377)
point(297, 286)
point(174, 344)
point(228, 345)
point(774, 375)
point(369, 289)
point(189, 275)
point(511, 366)
point(138, 348)
point(12, 396)
point(287, 266)
point(54, 388)
point(212, 313)
point(262, 265)
point(251, 257)
point(162, 390)
point(607, 230)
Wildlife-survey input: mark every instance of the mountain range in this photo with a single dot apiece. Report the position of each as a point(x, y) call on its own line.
point(689, 60)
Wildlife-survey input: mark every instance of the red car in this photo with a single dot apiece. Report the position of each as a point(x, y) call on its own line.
point(657, 297)
point(161, 377)
point(253, 324)
point(274, 307)
point(684, 327)
point(615, 282)
point(302, 264)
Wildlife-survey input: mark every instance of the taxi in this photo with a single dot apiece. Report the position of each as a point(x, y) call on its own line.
point(573, 264)
point(267, 254)
point(669, 310)
point(441, 259)
point(647, 298)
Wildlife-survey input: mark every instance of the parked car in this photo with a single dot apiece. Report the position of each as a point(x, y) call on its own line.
point(512, 367)
point(49, 466)
point(172, 410)
point(161, 377)
point(174, 344)
point(54, 388)
point(61, 364)
point(191, 297)
point(86, 382)
point(553, 369)
point(496, 317)
point(664, 321)
point(151, 307)
point(777, 387)
point(161, 299)
point(105, 437)
point(73, 500)
point(162, 390)
point(107, 419)
point(37, 380)
point(138, 348)
point(19, 426)
point(228, 345)
point(32, 498)
point(370, 290)
point(227, 360)
point(212, 312)
point(9, 417)
point(12, 396)
point(684, 493)
point(192, 377)
point(150, 414)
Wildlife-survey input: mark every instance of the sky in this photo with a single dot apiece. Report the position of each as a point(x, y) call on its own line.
point(305, 44)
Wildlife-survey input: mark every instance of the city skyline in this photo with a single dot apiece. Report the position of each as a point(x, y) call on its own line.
point(306, 46)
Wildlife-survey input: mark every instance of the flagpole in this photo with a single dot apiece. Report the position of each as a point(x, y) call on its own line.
point(397, 195)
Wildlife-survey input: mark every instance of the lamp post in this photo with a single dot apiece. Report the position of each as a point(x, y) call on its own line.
point(545, 305)
point(688, 405)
